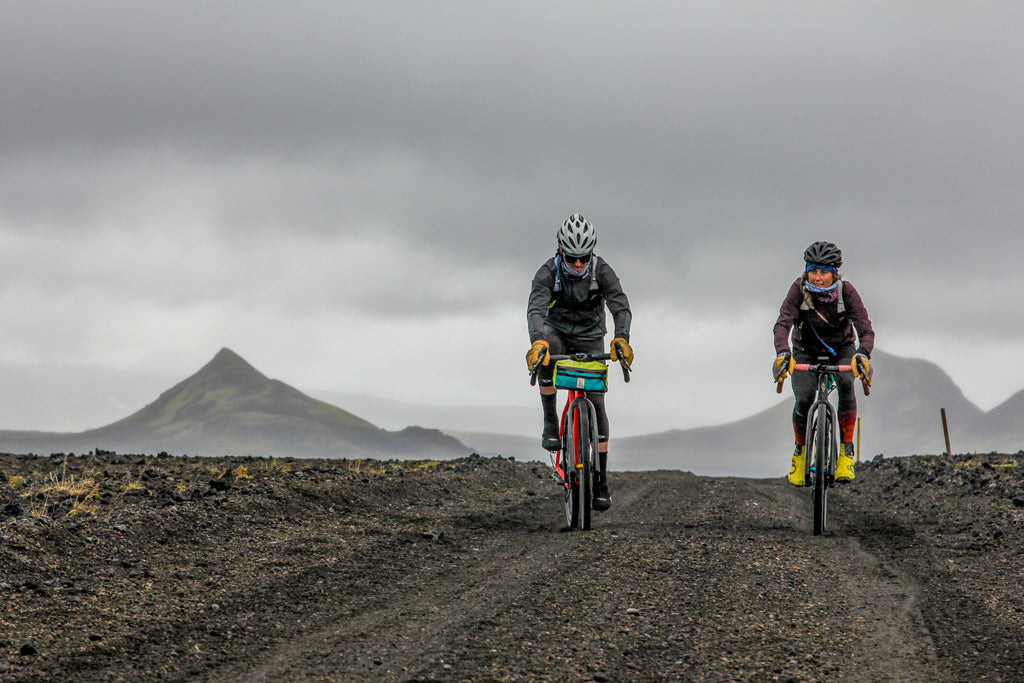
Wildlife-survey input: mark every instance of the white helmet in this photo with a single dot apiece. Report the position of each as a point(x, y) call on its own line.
point(577, 236)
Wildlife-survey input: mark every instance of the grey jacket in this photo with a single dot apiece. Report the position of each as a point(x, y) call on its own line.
point(576, 310)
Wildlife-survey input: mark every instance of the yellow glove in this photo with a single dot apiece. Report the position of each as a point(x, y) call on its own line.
point(862, 367)
point(627, 350)
point(539, 346)
point(783, 366)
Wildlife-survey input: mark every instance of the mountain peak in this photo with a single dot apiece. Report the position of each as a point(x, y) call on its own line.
point(229, 363)
point(227, 369)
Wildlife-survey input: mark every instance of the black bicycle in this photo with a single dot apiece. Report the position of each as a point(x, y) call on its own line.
point(576, 464)
point(822, 435)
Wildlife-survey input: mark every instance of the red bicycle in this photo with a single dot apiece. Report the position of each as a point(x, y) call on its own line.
point(576, 462)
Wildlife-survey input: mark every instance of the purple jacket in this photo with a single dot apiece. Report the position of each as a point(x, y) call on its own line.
point(824, 324)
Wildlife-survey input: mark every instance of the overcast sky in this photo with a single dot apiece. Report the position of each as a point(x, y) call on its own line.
point(354, 196)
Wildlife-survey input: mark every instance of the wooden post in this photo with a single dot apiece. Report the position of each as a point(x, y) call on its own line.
point(858, 439)
point(945, 431)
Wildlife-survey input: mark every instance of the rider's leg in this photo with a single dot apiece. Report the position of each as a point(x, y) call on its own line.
point(550, 440)
point(847, 415)
point(602, 496)
point(803, 394)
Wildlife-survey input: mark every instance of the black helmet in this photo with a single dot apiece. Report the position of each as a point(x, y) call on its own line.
point(824, 254)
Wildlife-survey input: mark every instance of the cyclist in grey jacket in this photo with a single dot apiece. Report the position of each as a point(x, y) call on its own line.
point(565, 314)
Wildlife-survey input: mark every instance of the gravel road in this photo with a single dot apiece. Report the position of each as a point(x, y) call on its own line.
point(238, 569)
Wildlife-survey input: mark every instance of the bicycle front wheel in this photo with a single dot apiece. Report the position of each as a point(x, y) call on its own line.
point(571, 487)
point(820, 438)
point(585, 464)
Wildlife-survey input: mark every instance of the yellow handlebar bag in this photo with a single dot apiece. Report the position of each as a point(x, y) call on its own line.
point(581, 376)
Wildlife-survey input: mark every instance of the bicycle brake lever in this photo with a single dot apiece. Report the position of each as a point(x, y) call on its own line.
point(536, 366)
point(626, 367)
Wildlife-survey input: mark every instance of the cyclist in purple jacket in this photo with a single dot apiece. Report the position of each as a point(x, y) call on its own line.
point(827, 318)
point(565, 314)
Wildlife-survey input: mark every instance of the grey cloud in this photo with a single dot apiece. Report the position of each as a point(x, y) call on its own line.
point(710, 142)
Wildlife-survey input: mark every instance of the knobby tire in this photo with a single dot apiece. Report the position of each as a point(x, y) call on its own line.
point(571, 489)
point(586, 470)
point(820, 446)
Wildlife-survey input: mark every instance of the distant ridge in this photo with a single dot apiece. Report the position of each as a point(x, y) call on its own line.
point(228, 407)
point(900, 417)
point(1000, 429)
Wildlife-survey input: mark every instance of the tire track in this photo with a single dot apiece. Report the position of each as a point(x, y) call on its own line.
point(494, 560)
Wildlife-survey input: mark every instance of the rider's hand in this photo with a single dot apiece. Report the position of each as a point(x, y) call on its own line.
point(539, 346)
point(627, 350)
point(862, 366)
point(783, 366)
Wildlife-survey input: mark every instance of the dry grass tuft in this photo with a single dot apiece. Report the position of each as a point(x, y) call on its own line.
point(1005, 461)
point(135, 484)
point(67, 484)
point(360, 466)
point(274, 464)
point(420, 465)
point(83, 508)
point(217, 472)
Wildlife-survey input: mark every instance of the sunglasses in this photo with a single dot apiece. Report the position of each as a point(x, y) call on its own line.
point(574, 259)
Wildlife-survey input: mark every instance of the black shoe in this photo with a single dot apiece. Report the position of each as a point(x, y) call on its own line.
point(550, 441)
point(602, 499)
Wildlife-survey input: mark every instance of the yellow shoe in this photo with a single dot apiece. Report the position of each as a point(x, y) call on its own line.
point(844, 468)
point(796, 470)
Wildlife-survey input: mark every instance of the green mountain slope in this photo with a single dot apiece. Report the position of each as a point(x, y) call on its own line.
point(229, 407)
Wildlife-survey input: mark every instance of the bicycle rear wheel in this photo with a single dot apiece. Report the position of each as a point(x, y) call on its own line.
point(820, 438)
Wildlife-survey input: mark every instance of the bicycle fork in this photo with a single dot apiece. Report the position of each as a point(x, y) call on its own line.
point(562, 462)
point(559, 474)
point(829, 425)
